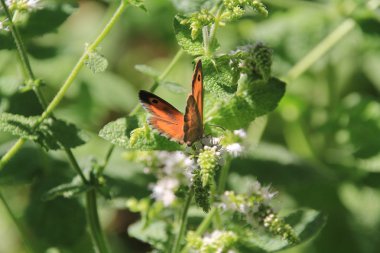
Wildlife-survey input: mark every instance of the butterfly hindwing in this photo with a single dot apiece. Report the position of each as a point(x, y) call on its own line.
point(193, 127)
point(164, 117)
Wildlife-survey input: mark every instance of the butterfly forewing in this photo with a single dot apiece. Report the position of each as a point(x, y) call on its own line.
point(197, 88)
point(164, 117)
point(169, 121)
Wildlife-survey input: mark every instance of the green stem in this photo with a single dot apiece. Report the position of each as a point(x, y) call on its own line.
point(27, 243)
point(59, 96)
point(183, 222)
point(11, 152)
point(223, 176)
point(209, 37)
point(160, 78)
point(214, 213)
point(106, 159)
point(322, 48)
point(94, 223)
point(66, 85)
point(203, 226)
point(75, 165)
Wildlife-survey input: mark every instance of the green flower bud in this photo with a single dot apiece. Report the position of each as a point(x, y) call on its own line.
point(208, 161)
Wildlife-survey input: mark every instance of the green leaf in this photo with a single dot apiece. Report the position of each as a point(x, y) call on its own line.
point(59, 222)
point(51, 133)
point(174, 87)
point(183, 35)
point(24, 167)
point(137, 3)
point(147, 70)
point(153, 234)
point(251, 101)
point(358, 115)
point(220, 77)
point(67, 190)
point(306, 223)
point(40, 21)
point(96, 62)
point(124, 132)
point(189, 6)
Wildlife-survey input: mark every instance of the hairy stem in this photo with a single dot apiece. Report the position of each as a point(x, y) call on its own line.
point(183, 222)
point(59, 96)
point(94, 223)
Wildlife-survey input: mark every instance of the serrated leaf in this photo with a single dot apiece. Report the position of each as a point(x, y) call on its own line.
point(147, 70)
point(183, 35)
point(306, 223)
point(137, 3)
point(96, 62)
point(68, 190)
point(150, 233)
point(257, 99)
point(220, 77)
point(51, 134)
point(124, 132)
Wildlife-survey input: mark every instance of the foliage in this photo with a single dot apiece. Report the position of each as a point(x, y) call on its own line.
point(291, 119)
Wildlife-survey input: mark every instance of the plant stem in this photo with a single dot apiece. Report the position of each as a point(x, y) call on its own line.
point(223, 176)
point(28, 244)
point(322, 48)
point(59, 96)
point(94, 223)
point(214, 213)
point(11, 152)
point(164, 74)
point(183, 222)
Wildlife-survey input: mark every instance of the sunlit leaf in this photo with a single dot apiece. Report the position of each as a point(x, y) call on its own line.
point(183, 35)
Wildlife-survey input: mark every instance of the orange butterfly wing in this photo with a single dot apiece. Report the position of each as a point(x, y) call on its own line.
point(193, 122)
point(164, 117)
point(193, 126)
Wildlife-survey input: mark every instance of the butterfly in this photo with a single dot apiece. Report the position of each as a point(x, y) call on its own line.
point(183, 128)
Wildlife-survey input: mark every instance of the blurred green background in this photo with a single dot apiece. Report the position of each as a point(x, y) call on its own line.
point(319, 149)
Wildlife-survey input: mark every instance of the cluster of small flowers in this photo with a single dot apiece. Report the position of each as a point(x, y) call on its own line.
point(254, 206)
point(249, 203)
point(269, 219)
point(23, 5)
point(236, 149)
point(209, 160)
point(169, 168)
point(236, 8)
point(197, 21)
point(216, 242)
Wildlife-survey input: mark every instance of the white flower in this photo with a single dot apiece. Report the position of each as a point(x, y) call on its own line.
point(235, 149)
point(23, 5)
point(210, 141)
point(241, 133)
point(3, 25)
point(164, 189)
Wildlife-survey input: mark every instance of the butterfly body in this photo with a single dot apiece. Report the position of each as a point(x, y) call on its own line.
point(184, 128)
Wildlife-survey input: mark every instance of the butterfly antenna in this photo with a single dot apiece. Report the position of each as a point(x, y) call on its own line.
point(217, 126)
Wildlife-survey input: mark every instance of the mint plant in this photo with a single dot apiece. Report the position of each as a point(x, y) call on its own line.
point(191, 207)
